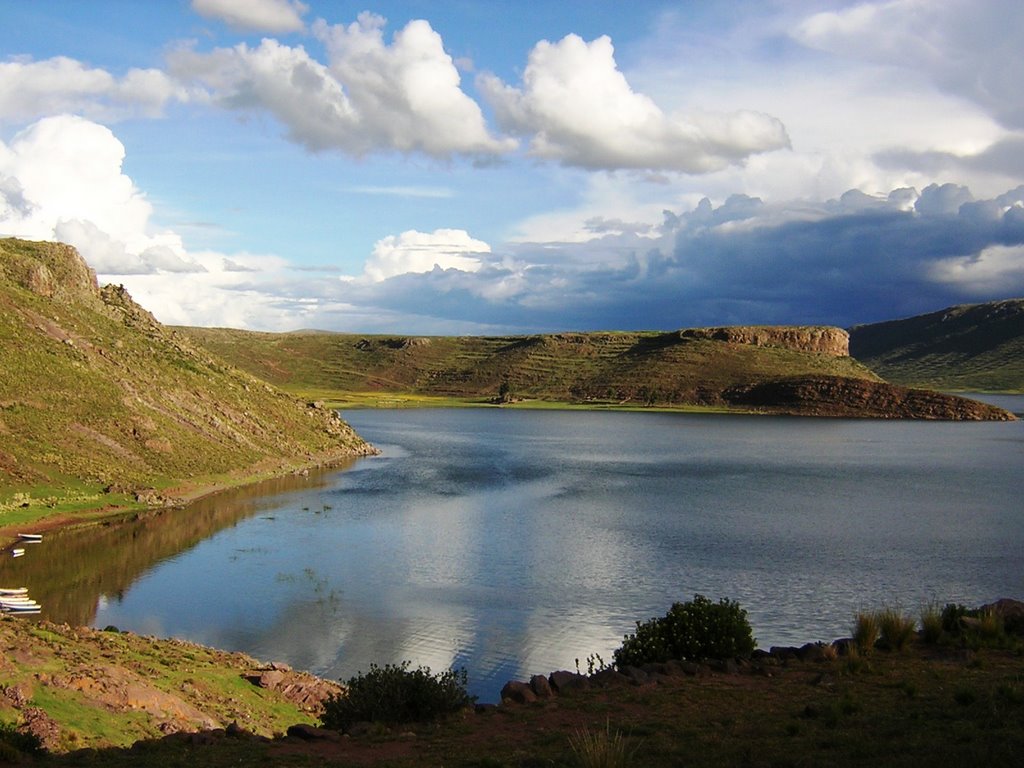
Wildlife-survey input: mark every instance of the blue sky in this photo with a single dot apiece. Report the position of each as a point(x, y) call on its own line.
point(482, 167)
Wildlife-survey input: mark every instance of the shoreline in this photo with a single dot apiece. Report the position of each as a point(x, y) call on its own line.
point(181, 494)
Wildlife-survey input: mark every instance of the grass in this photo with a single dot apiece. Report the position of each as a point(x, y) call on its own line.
point(600, 748)
point(98, 401)
point(605, 369)
point(968, 348)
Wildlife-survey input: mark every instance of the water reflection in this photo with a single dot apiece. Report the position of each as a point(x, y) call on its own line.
point(75, 573)
point(514, 543)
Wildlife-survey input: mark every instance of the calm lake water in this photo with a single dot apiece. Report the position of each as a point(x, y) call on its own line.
point(515, 542)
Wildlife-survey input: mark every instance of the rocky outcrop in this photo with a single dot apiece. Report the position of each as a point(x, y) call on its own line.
point(53, 270)
point(823, 340)
point(859, 398)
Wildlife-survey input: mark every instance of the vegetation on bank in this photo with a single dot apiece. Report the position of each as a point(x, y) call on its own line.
point(101, 406)
point(951, 693)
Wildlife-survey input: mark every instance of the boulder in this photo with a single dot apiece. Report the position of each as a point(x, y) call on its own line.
point(566, 682)
point(518, 692)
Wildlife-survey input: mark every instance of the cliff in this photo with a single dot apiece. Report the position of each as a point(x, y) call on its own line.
point(823, 340)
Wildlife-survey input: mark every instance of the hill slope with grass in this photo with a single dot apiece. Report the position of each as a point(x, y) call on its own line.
point(100, 404)
point(802, 370)
point(967, 348)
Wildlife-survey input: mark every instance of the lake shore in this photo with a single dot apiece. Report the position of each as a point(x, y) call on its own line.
point(952, 700)
point(42, 518)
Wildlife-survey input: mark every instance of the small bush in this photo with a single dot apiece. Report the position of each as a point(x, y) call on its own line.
point(699, 629)
point(865, 631)
point(931, 624)
point(14, 744)
point(895, 629)
point(952, 618)
point(395, 694)
point(600, 749)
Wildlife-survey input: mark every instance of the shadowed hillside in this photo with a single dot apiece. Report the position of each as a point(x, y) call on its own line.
point(101, 404)
point(972, 347)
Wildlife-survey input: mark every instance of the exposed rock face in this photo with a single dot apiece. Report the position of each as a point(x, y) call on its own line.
point(837, 396)
point(824, 340)
point(52, 270)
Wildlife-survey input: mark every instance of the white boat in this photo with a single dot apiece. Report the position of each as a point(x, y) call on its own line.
point(17, 552)
point(9, 591)
point(31, 537)
point(24, 609)
point(18, 602)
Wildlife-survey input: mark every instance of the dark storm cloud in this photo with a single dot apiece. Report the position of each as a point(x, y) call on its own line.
point(855, 259)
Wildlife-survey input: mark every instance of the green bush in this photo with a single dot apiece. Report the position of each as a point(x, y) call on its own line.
point(395, 694)
point(865, 631)
point(14, 744)
point(699, 629)
point(896, 629)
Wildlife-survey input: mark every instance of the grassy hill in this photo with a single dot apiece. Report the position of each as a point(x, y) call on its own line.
point(642, 368)
point(972, 347)
point(100, 404)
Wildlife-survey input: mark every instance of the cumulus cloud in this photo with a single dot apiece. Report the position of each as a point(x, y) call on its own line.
point(966, 48)
point(279, 16)
point(578, 108)
point(32, 89)
point(61, 179)
point(369, 97)
point(414, 251)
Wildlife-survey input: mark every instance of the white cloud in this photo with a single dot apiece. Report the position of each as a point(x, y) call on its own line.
point(32, 89)
point(970, 49)
point(998, 270)
point(370, 97)
point(414, 251)
point(280, 16)
point(578, 108)
point(68, 185)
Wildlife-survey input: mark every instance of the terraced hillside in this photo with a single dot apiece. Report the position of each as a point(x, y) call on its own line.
point(100, 404)
point(967, 348)
point(681, 367)
point(763, 368)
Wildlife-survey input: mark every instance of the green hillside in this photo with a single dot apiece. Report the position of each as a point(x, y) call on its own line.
point(643, 368)
point(100, 404)
point(967, 348)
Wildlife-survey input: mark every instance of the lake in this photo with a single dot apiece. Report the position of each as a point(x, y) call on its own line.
point(514, 542)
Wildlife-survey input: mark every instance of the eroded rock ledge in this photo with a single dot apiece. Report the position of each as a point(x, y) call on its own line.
point(859, 398)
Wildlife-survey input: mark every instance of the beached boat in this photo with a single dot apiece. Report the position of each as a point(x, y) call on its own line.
point(31, 538)
point(17, 552)
point(11, 591)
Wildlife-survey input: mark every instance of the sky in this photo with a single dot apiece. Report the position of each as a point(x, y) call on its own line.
point(486, 166)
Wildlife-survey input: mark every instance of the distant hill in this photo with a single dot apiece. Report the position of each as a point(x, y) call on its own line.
point(967, 348)
point(804, 370)
point(100, 403)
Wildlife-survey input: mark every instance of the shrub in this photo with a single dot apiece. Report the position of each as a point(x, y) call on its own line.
point(600, 749)
point(395, 694)
point(895, 629)
point(931, 624)
point(865, 631)
point(699, 629)
point(15, 744)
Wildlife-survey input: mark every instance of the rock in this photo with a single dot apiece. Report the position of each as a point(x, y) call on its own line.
point(609, 678)
point(541, 687)
point(517, 692)
point(825, 340)
point(635, 675)
point(859, 398)
point(308, 732)
point(815, 652)
point(1011, 612)
point(566, 682)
